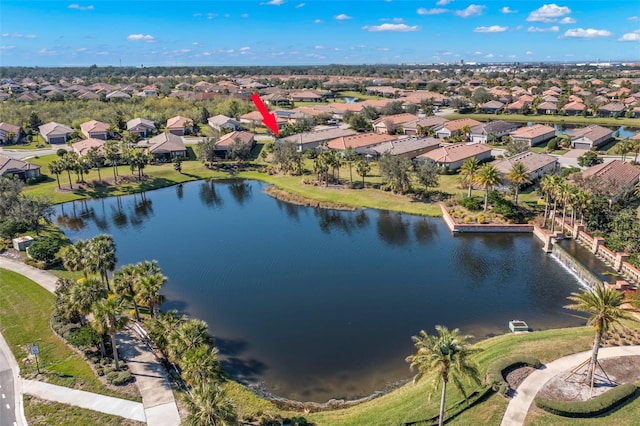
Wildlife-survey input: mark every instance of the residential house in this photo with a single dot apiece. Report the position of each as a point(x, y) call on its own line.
point(491, 131)
point(254, 118)
point(408, 147)
point(53, 132)
point(359, 141)
point(491, 107)
point(95, 129)
point(537, 163)
point(391, 124)
point(590, 136)
point(82, 147)
point(574, 108)
point(306, 96)
point(420, 126)
point(222, 123)
point(453, 127)
point(21, 169)
point(221, 147)
point(613, 109)
point(88, 96)
point(277, 99)
point(452, 156)
point(518, 107)
point(614, 179)
point(117, 95)
point(179, 125)
point(546, 108)
point(9, 133)
point(141, 126)
point(533, 135)
point(311, 140)
point(167, 146)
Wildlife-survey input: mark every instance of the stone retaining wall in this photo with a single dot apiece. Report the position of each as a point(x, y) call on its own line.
point(481, 227)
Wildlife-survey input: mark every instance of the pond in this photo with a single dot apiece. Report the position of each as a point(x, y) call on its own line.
point(314, 304)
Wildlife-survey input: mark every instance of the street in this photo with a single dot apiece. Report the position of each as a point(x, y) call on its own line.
point(7, 398)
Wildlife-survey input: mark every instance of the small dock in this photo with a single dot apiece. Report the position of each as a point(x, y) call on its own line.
point(518, 326)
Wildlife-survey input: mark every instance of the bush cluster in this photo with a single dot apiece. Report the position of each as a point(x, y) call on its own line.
point(44, 249)
point(471, 203)
point(593, 407)
point(119, 378)
point(495, 371)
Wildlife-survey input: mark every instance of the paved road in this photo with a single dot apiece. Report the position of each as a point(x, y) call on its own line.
point(519, 406)
point(11, 409)
point(21, 154)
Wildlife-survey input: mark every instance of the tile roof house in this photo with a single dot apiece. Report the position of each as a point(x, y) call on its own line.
point(18, 168)
point(306, 96)
point(9, 133)
point(533, 135)
point(141, 126)
point(408, 147)
point(82, 147)
point(360, 140)
point(421, 125)
point(224, 143)
point(590, 136)
point(613, 179)
point(613, 109)
point(311, 140)
point(574, 108)
point(452, 156)
point(491, 107)
point(53, 132)
point(179, 125)
point(547, 108)
point(453, 127)
point(95, 129)
point(390, 123)
point(223, 123)
point(492, 130)
point(117, 95)
point(537, 163)
point(167, 146)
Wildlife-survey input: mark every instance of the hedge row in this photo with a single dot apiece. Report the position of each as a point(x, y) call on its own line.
point(593, 407)
point(495, 376)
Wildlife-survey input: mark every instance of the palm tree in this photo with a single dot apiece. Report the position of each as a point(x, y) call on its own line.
point(446, 354)
point(102, 255)
point(546, 185)
point(349, 155)
point(147, 290)
point(208, 406)
point(200, 365)
point(563, 193)
point(363, 168)
point(112, 154)
point(161, 327)
point(74, 257)
point(56, 168)
point(108, 312)
point(124, 284)
point(604, 306)
point(83, 294)
point(189, 335)
point(468, 172)
point(518, 175)
point(487, 177)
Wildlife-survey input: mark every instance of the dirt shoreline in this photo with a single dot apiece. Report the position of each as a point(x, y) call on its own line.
point(283, 195)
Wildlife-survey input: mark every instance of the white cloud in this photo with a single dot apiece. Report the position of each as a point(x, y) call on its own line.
point(472, 10)
point(548, 13)
point(489, 55)
point(273, 3)
point(299, 5)
point(318, 47)
point(528, 52)
point(507, 10)
point(48, 52)
point(567, 20)
point(633, 18)
point(318, 21)
point(244, 15)
point(434, 11)
point(141, 37)
point(402, 28)
point(81, 49)
point(586, 33)
point(632, 36)
point(552, 29)
point(342, 17)
point(244, 49)
point(491, 29)
point(7, 46)
point(103, 53)
point(443, 2)
point(78, 7)
point(18, 35)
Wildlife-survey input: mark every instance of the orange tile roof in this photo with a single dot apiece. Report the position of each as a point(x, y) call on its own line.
point(455, 152)
point(359, 140)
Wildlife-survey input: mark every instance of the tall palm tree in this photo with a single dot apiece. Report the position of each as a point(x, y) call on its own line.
point(189, 335)
point(74, 258)
point(447, 355)
point(546, 187)
point(124, 284)
point(147, 289)
point(102, 254)
point(518, 176)
point(56, 168)
point(162, 326)
point(487, 177)
point(564, 193)
point(468, 172)
point(350, 156)
point(84, 293)
point(112, 154)
point(604, 306)
point(200, 365)
point(209, 406)
point(108, 312)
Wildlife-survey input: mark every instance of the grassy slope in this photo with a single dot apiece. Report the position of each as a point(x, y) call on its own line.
point(41, 413)
point(25, 309)
point(630, 122)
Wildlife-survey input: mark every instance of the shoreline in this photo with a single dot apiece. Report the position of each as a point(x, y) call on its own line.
point(286, 196)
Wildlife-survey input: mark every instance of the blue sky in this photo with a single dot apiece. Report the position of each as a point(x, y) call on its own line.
point(280, 32)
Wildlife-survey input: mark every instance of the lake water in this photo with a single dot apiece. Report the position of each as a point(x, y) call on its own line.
point(316, 304)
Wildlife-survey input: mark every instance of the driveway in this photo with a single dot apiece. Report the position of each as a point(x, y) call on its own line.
point(21, 154)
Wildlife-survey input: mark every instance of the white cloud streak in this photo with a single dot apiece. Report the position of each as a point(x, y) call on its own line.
point(472, 10)
point(434, 11)
point(548, 13)
point(141, 37)
point(491, 29)
point(401, 28)
point(586, 33)
point(78, 7)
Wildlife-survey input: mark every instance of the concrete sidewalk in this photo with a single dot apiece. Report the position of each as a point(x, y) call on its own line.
point(43, 278)
point(91, 401)
point(519, 406)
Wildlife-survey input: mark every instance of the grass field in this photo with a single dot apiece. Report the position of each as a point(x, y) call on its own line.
point(45, 413)
point(25, 310)
point(554, 119)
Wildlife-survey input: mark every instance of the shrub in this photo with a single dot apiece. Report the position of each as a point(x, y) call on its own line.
point(119, 378)
point(10, 228)
point(44, 249)
point(471, 203)
point(591, 408)
point(83, 337)
point(495, 371)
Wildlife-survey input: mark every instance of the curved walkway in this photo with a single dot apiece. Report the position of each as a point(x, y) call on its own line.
point(519, 406)
point(158, 403)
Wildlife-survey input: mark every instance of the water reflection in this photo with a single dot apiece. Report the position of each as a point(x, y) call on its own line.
point(337, 220)
point(240, 190)
point(179, 191)
point(393, 229)
point(209, 195)
point(424, 231)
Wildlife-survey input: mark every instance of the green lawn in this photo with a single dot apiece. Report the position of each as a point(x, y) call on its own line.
point(37, 143)
point(40, 413)
point(353, 94)
point(25, 310)
point(556, 119)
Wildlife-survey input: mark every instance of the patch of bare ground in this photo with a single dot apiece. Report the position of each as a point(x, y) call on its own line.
point(516, 376)
point(619, 370)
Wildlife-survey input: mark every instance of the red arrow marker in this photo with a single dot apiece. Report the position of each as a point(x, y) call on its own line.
point(268, 118)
